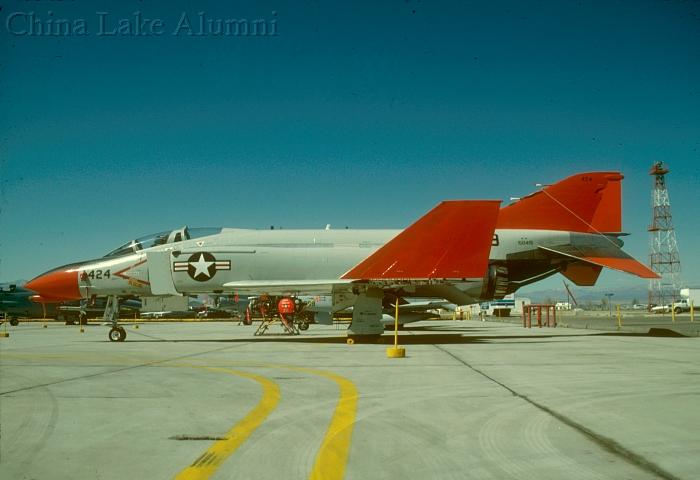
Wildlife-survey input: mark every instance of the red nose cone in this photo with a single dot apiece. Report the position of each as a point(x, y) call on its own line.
point(57, 285)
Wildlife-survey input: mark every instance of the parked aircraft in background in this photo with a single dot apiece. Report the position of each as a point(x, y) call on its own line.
point(81, 311)
point(16, 303)
point(461, 251)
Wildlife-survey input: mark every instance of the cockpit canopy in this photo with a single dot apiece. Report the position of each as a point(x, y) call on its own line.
point(163, 238)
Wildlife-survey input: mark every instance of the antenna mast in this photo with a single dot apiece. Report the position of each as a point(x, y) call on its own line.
point(664, 258)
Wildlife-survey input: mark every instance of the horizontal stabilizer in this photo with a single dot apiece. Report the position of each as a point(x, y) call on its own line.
point(616, 260)
point(453, 240)
point(287, 287)
point(582, 274)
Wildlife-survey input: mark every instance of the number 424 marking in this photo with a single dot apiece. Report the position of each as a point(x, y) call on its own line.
point(98, 274)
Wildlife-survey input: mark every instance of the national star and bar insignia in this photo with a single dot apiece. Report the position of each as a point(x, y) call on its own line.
point(201, 266)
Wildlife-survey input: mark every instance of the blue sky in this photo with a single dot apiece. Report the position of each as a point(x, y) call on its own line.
point(357, 113)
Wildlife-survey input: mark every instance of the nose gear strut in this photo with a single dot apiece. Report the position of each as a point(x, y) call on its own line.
point(111, 315)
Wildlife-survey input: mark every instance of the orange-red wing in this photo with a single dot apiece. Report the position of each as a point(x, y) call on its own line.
point(629, 265)
point(453, 240)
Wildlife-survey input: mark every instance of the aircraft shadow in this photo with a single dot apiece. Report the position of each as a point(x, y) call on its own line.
point(437, 338)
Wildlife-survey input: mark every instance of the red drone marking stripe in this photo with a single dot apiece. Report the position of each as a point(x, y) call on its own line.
point(120, 274)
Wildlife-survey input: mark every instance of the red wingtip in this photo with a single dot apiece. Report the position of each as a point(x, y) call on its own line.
point(453, 240)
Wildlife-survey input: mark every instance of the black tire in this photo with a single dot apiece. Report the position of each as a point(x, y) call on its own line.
point(14, 322)
point(677, 310)
point(303, 326)
point(117, 334)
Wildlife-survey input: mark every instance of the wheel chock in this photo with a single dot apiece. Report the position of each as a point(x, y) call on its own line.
point(396, 352)
point(82, 330)
point(136, 327)
point(46, 326)
point(4, 335)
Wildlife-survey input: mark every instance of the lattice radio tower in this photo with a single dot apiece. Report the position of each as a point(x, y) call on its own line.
point(663, 249)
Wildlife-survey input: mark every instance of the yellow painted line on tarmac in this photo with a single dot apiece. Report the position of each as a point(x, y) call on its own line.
point(333, 454)
point(335, 448)
point(207, 463)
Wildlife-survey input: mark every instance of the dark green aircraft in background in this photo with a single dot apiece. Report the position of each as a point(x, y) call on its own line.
point(15, 303)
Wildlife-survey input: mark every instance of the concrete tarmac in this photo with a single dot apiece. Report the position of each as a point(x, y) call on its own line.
point(472, 399)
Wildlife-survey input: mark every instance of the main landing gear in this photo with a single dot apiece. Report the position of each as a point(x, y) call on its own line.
point(366, 325)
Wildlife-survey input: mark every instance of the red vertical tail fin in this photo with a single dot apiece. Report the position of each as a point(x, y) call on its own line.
point(586, 202)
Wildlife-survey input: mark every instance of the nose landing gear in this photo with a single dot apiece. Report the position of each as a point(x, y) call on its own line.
point(117, 334)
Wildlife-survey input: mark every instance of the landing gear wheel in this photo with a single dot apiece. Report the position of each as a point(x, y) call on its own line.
point(303, 326)
point(117, 334)
point(14, 322)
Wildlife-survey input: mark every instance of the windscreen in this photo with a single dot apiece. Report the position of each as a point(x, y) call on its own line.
point(162, 238)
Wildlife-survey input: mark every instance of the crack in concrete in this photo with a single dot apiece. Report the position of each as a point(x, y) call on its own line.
point(117, 370)
point(606, 443)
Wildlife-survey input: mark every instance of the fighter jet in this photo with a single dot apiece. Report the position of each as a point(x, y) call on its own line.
point(16, 303)
point(461, 251)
